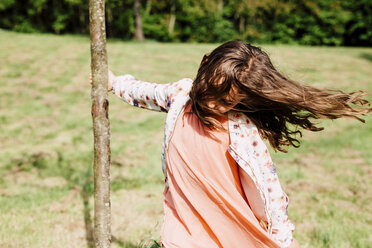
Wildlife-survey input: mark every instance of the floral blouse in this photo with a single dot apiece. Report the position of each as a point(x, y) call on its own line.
point(247, 147)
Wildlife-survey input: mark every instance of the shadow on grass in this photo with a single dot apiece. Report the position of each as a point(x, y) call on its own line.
point(87, 191)
point(78, 173)
point(125, 244)
point(85, 195)
point(366, 56)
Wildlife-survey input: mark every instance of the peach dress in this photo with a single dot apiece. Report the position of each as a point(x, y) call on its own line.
point(205, 205)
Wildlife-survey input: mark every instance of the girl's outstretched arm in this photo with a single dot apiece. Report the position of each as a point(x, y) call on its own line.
point(152, 96)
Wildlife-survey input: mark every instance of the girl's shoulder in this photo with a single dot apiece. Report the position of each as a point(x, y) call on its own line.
point(180, 88)
point(183, 85)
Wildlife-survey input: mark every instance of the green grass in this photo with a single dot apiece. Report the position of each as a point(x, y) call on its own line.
point(46, 150)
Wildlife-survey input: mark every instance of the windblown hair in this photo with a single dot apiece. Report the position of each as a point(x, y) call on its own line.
point(241, 76)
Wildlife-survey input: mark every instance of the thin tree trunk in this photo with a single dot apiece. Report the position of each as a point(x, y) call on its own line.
point(241, 24)
point(220, 6)
point(172, 19)
point(148, 7)
point(138, 33)
point(109, 20)
point(101, 125)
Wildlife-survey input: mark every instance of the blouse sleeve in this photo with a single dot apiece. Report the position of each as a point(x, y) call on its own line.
point(263, 167)
point(282, 227)
point(152, 96)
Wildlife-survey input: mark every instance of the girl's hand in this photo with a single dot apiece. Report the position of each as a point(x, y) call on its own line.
point(111, 78)
point(110, 82)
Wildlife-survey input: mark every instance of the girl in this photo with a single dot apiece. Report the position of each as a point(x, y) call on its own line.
point(221, 187)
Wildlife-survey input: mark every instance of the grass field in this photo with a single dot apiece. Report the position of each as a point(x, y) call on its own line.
point(46, 148)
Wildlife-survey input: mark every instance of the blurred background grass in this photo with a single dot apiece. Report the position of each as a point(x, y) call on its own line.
point(46, 149)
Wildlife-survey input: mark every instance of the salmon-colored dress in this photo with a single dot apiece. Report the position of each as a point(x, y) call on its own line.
point(205, 205)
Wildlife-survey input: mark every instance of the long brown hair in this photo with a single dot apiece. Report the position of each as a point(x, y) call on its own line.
point(268, 98)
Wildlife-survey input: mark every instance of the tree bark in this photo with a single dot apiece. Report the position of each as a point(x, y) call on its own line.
point(138, 33)
point(101, 125)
